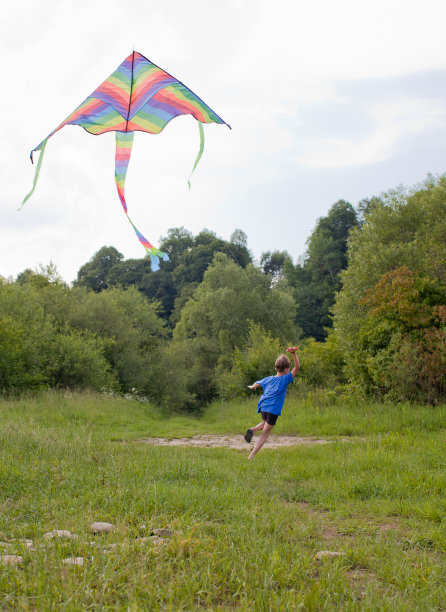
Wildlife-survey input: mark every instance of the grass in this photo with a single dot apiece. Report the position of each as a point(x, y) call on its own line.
point(244, 535)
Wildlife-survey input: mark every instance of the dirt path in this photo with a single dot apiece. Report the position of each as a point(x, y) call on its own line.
point(234, 441)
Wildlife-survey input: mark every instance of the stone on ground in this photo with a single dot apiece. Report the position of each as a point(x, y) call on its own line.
point(59, 533)
point(322, 554)
point(162, 533)
point(73, 561)
point(102, 527)
point(12, 559)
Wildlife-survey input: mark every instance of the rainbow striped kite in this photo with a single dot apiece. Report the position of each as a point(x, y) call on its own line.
point(138, 96)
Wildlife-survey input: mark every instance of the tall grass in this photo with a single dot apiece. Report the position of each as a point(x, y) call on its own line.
point(244, 535)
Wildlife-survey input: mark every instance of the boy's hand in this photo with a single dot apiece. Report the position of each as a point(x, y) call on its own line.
point(292, 349)
point(254, 386)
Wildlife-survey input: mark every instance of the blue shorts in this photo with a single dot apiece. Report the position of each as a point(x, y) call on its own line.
point(269, 417)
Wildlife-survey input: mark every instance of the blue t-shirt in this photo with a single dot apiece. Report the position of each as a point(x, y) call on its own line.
point(274, 390)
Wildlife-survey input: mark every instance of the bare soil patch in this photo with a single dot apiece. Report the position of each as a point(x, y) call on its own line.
point(233, 441)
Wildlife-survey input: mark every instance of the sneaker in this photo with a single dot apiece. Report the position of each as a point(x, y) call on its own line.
point(248, 435)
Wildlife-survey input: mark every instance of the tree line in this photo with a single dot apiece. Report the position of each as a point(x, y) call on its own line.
point(366, 302)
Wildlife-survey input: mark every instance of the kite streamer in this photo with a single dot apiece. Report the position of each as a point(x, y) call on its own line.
point(138, 96)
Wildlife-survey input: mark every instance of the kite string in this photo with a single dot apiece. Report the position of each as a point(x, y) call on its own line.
point(254, 289)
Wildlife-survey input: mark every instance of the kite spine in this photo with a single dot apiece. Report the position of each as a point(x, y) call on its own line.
point(131, 91)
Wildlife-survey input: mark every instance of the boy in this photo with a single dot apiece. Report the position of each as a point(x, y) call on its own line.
point(271, 401)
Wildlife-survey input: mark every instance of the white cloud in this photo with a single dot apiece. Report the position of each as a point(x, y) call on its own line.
point(394, 122)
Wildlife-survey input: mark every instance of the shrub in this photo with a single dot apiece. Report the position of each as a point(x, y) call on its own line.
point(253, 362)
point(321, 363)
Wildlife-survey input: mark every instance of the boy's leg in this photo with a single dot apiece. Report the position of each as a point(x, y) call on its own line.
point(250, 432)
point(261, 440)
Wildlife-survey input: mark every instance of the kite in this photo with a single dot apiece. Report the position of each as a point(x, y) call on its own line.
point(138, 96)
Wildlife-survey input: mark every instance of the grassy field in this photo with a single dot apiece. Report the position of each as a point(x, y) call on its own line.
point(244, 535)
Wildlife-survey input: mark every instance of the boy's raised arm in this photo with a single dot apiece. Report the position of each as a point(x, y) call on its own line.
point(254, 386)
point(295, 370)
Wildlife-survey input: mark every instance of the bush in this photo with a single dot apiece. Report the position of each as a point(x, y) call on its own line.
point(321, 363)
point(404, 338)
point(12, 362)
point(77, 361)
point(253, 362)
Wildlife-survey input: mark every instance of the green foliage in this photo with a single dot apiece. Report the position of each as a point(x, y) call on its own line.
point(196, 260)
point(316, 282)
point(252, 362)
point(12, 362)
point(177, 242)
point(75, 338)
point(404, 336)
point(189, 259)
point(207, 322)
point(94, 273)
point(36, 351)
point(76, 361)
point(321, 363)
point(274, 262)
point(387, 315)
point(129, 327)
point(215, 320)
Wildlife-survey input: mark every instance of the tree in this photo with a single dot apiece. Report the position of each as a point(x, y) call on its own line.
point(39, 349)
point(129, 327)
point(404, 337)
point(94, 273)
point(189, 259)
point(177, 242)
point(216, 320)
point(196, 260)
point(316, 282)
point(397, 261)
point(366, 206)
point(238, 248)
point(274, 262)
point(153, 285)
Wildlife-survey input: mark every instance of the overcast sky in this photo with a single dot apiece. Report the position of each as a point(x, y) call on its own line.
point(327, 100)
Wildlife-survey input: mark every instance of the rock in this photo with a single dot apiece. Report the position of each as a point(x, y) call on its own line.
point(162, 533)
point(157, 541)
point(59, 533)
point(73, 561)
point(12, 559)
point(102, 527)
point(322, 554)
point(29, 544)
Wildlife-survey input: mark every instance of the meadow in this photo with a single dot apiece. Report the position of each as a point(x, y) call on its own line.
point(242, 535)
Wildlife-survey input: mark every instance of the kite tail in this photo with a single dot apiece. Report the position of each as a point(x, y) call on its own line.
point(200, 152)
point(40, 148)
point(124, 143)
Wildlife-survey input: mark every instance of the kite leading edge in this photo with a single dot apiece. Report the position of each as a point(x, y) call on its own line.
point(138, 96)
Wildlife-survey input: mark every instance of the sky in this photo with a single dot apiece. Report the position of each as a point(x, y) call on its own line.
point(326, 100)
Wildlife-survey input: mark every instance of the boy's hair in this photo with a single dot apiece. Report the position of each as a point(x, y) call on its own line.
point(282, 363)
